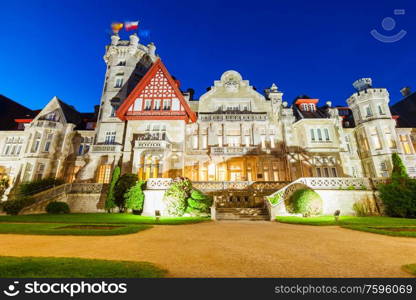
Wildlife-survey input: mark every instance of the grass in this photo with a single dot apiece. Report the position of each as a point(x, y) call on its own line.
point(410, 269)
point(380, 225)
point(100, 218)
point(52, 267)
point(68, 229)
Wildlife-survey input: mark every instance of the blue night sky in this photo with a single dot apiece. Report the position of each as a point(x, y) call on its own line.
point(316, 48)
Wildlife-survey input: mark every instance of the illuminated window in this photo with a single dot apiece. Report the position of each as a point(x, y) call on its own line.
point(406, 144)
point(375, 138)
point(104, 174)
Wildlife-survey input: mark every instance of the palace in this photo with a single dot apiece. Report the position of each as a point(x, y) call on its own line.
point(147, 125)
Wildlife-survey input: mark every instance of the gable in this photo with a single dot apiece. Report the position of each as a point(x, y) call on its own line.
point(156, 97)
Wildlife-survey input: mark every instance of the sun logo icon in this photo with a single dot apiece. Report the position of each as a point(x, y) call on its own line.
point(11, 290)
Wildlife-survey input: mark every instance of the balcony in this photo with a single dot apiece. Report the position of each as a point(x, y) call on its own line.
point(151, 144)
point(106, 148)
point(233, 150)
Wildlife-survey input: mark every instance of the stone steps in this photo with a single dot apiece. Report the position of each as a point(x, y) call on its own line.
point(242, 214)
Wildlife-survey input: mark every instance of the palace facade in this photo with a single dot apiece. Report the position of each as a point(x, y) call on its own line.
point(148, 126)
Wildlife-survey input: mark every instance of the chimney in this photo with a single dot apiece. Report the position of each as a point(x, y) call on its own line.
point(405, 91)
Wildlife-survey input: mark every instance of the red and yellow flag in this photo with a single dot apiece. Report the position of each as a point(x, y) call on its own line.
point(116, 27)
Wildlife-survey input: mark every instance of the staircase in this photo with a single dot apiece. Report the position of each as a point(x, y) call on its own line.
point(242, 214)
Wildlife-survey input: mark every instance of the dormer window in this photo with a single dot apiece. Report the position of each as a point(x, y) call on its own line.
point(53, 116)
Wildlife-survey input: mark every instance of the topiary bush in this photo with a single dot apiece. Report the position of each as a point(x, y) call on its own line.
point(399, 196)
point(37, 186)
point(110, 203)
point(57, 207)
point(182, 198)
point(306, 202)
point(13, 207)
point(134, 197)
point(199, 202)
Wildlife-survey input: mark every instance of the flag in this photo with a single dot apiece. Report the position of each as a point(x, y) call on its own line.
point(116, 27)
point(133, 25)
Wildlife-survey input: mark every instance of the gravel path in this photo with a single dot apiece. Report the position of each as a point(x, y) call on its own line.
point(236, 249)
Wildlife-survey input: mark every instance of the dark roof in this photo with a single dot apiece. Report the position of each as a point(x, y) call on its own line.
point(10, 110)
point(75, 117)
point(319, 113)
point(406, 109)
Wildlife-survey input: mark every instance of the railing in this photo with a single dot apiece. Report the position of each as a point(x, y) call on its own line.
point(210, 186)
point(151, 144)
point(63, 189)
point(232, 150)
point(106, 148)
point(320, 183)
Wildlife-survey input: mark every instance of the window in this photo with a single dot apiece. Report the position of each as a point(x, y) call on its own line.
point(39, 171)
point(375, 138)
point(118, 82)
point(334, 172)
point(326, 131)
point(166, 104)
point(121, 63)
point(312, 135)
point(368, 111)
point(390, 140)
point(156, 104)
point(195, 141)
point(405, 143)
point(104, 174)
point(319, 134)
point(380, 109)
point(110, 137)
point(147, 104)
point(48, 142)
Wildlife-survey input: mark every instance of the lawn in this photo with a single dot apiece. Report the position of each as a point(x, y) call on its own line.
point(52, 267)
point(70, 229)
point(101, 218)
point(410, 268)
point(380, 225)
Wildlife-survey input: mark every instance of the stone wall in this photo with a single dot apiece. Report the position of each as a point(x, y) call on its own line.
point(333, 200)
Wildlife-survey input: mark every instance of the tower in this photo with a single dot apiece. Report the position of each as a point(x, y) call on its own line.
point(127, 61)
point(375, 128)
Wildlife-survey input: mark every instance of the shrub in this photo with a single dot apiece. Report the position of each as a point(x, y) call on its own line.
point(13, 207)
point(176, 196)
point(37, 186)
point(124, 183)
point(134, 197)
point(57, 208)
point(306, 202)
point(399, 196)
point(110, 201)
point(399, 170)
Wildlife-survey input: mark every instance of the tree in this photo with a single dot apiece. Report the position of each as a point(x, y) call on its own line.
point(124, 183)
point(110, 201)
point(134, 197)
point(399, 196)
point(399, 170)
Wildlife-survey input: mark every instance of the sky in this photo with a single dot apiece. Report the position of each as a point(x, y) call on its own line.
point(317, 48)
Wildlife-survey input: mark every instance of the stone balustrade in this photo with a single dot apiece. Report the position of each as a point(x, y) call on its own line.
point(106, 148)
point(158, 183)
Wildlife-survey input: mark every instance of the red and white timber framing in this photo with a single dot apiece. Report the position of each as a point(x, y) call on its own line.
point(156, 97)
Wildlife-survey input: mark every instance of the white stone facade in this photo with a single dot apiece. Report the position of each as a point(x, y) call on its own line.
point(239, 134)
